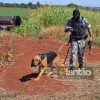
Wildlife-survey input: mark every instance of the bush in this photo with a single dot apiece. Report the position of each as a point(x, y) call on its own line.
point(28, 29)
point(57, 16)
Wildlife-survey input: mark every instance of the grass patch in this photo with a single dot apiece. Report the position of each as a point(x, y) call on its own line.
point(14, 11)
point(8, 96)
point(30, 29)
point(53, 32)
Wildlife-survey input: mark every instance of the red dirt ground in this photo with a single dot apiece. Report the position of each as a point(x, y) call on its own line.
point(18, 75)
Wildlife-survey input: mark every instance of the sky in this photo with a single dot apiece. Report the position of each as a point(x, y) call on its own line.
point(89, 3)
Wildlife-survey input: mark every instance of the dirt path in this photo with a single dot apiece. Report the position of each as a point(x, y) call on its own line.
point(17, 75)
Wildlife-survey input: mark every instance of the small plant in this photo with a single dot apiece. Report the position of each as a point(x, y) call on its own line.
point(7, 56)
point(1, 43)
point(14, 77)
point(11, 45)
point(1, 63)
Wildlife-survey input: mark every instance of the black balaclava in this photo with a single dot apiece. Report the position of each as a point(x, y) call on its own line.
point(76, 15)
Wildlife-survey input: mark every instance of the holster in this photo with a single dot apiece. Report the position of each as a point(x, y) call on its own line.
point(86, 36)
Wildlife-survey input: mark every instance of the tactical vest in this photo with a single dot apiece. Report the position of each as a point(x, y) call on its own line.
point(78, 29)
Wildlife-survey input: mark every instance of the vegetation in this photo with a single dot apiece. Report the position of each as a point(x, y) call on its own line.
point(10, 95)
point(22, 5)
point(1, 63)
point(27, 28)
point(39, 21)
point(58, 16)
point(7, 56)
point(22, 12)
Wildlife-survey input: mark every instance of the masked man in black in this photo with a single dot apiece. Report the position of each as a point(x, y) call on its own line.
point(77, 26)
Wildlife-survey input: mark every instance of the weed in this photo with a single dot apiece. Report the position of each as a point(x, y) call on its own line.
point(7, 56)
point(14, 77)
point(1, 63)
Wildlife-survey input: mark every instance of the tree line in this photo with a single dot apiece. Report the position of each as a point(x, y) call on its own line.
point(22, 5)
point(34, 6)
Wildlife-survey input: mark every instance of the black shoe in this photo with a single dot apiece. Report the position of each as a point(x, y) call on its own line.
point(80, 66)
point(71, 68)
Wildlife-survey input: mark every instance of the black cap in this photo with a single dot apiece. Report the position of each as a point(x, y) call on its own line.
point(76, 12)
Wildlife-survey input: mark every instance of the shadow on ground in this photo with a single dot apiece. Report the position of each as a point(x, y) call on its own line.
point(28, 77)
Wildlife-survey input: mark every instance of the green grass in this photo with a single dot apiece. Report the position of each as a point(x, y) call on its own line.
point(36, 14)
point(14, 11)
point(30, 29)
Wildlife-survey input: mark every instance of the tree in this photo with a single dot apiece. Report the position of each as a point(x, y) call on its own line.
point(1, 4)
point(29, 4)
point(6, 4)
point(23, 5)
point(38, 4)
point(74, 5)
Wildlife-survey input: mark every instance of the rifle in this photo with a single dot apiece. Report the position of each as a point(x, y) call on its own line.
point(89, 46)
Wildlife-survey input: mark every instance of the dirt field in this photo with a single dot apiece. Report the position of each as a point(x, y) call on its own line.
point(17, 76)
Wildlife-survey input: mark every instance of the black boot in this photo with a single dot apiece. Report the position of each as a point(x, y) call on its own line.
point(71, 68)
point(80, 66)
